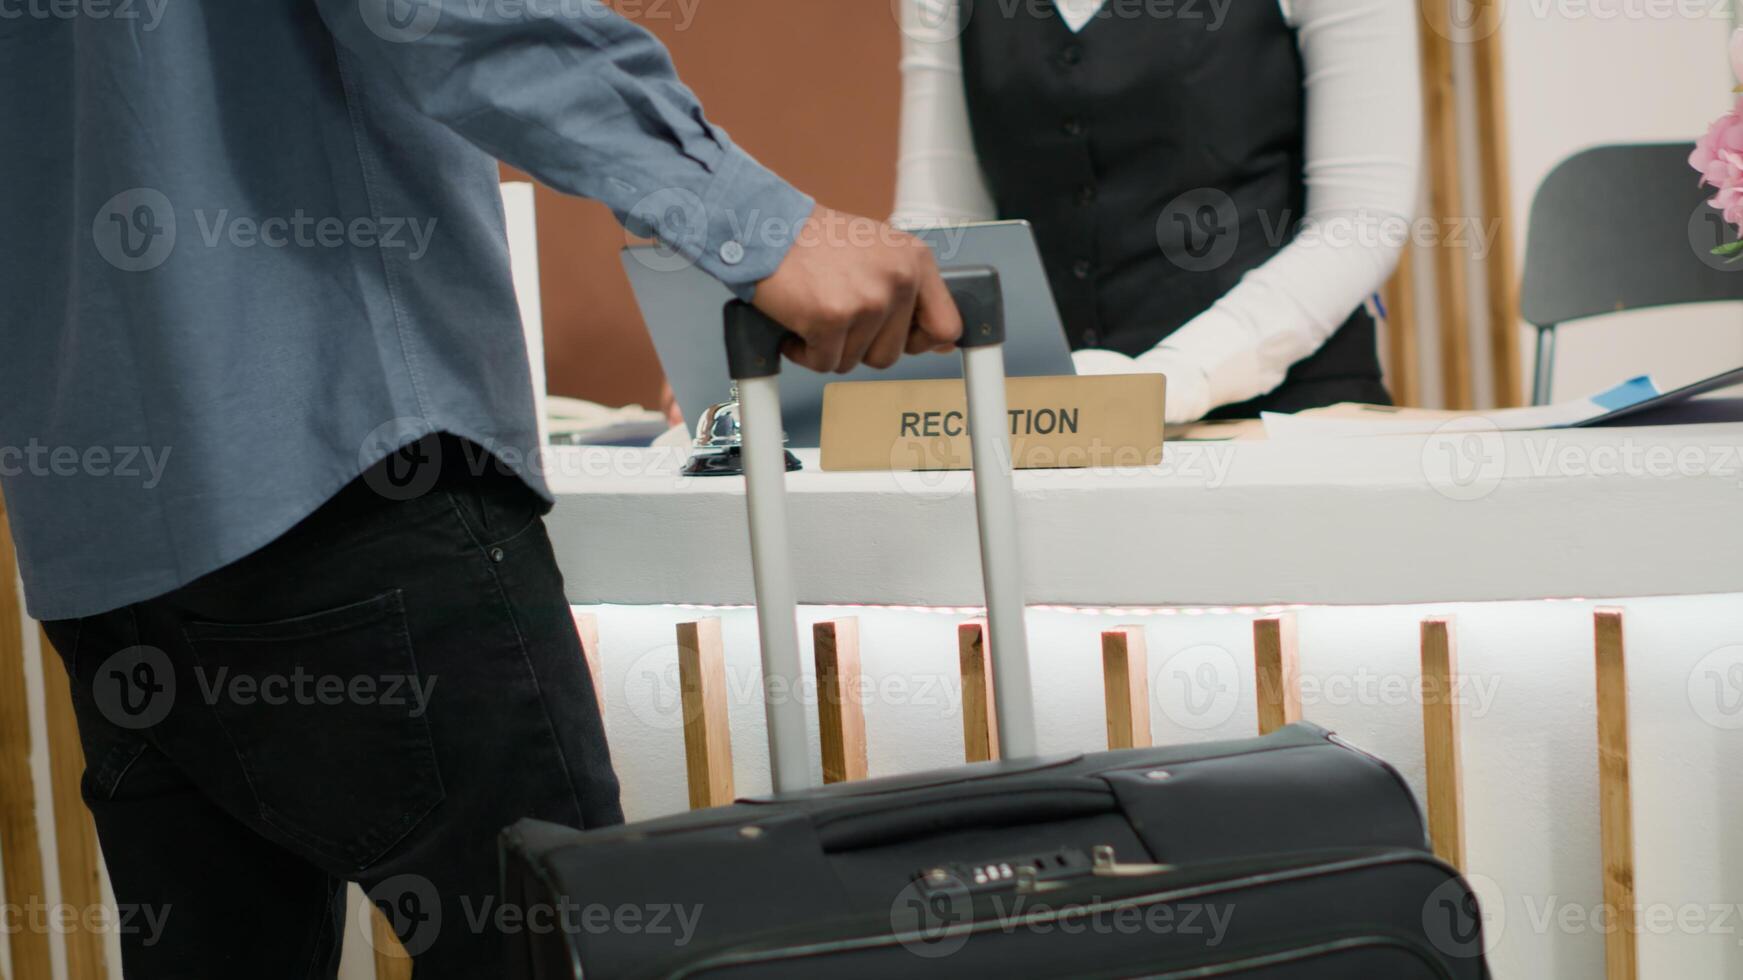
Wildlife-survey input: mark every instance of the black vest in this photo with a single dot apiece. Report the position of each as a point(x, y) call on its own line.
point(1159, 155)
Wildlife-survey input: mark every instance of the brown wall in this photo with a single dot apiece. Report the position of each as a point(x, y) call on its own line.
point(808, 86)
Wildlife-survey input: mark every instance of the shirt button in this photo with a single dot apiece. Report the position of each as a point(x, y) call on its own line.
point(1086, 195)
point(1082, 268)
point(732, 253)
point(1072, 127)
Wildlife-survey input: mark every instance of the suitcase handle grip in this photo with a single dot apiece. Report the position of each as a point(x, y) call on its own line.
point(753, 338)
point(858, 830)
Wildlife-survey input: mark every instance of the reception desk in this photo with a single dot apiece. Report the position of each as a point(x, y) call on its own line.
point(1461, 516)
point(1517, 538)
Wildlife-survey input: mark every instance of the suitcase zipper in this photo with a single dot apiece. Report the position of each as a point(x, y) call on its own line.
point(885, 939)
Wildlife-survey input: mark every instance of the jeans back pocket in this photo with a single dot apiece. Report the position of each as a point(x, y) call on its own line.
point(326, 715)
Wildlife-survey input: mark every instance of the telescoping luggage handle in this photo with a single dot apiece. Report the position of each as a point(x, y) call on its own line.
point(753, 347)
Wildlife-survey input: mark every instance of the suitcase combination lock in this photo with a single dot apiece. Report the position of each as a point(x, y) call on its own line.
point(1035, 873)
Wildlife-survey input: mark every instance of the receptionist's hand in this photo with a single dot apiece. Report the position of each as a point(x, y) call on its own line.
point(855, 290)
point(1188, 385)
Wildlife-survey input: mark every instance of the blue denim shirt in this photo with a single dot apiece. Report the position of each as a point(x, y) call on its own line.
point(251, 248)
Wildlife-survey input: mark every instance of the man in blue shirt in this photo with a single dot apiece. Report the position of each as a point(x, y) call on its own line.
point(267, 439)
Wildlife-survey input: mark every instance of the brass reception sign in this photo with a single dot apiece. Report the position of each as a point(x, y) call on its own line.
point(1055, 423)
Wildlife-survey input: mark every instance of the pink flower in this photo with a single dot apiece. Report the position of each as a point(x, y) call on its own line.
point(1718, 157)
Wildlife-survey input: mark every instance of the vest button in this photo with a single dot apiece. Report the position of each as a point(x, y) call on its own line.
point(1082, 268)
point(1072, 56)
point(1090, 339)
point(1072, 127)
point(1086, 195)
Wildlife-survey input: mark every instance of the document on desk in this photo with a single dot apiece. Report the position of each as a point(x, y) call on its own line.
point(1341, 421)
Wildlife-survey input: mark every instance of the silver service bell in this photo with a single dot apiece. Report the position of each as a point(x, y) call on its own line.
point(719, 444)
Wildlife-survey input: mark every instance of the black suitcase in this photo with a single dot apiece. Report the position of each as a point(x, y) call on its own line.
point(1289, 856)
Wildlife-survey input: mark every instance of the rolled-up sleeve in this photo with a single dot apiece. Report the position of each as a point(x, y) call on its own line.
point(590, 104)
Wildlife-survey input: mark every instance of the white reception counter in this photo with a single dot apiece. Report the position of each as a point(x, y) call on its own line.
point(1365, 537)
point(1397, 519)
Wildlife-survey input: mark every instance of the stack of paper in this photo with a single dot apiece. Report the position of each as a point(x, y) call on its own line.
point(1374, 420)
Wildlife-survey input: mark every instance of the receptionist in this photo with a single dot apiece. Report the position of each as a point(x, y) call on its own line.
point(1218, 187)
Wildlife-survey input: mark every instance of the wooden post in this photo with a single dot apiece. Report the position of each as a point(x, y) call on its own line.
point(1277, 671)
point(1494, 157)
point(840, 713)
point(1615, 804)
point(1446, 201)
point(587, 628)
point(1440, 740)
point(707, 735)
point(392, 962)
point(81, 871)
point(980, 723)
point(1404, 365)
point(1125, 668)
point(21, 869)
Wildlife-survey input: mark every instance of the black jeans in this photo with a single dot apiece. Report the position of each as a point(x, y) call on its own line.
point(370, 698)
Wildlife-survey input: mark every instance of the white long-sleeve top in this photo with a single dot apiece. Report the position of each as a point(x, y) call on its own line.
point(1363, 152)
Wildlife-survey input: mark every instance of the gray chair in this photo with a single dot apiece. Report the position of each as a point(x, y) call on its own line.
point(1620, 228)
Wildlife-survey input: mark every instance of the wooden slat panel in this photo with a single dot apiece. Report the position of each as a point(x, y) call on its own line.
point(840, 713)
point(1440, 740)
point(1446, 201)
point(1494, 157)
point(1125, 667)
point(81, 870)
point(980, 723)
point(1277, 671)
point(1403, 353)
point(707, 734)
point(21, 869)
point(587, 628)
point(391, 960)
point(1615, 800)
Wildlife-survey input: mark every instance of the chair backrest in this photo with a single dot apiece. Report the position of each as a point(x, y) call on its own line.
point(1624, 228)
